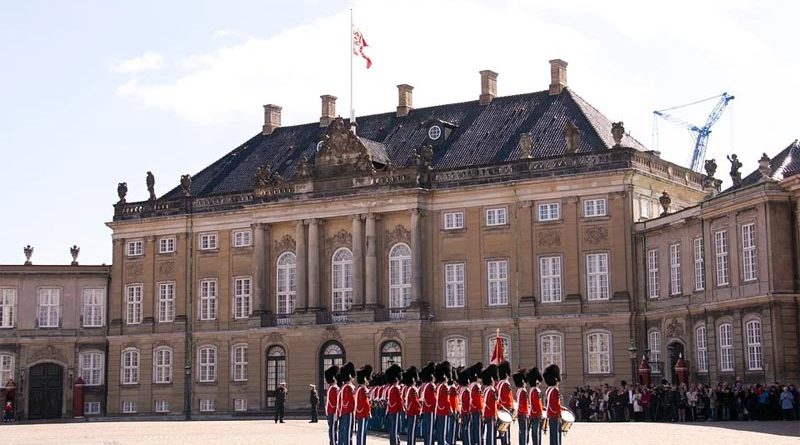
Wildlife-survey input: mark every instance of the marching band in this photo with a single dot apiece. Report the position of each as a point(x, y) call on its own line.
point(444, 405)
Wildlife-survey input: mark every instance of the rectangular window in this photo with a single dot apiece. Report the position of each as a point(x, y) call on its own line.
point(91, 408)
point(652, 273)
point(644, 207)
point(8, 301)
point(134, 304)
point(597, 276)
point(454, 284)
point(162, 406)
point(242, 238)
point(675, 269)
point(130, 367)
point(166, 302)
point(550, 278)
point(208, 299)
point(721, 252)
point(240, 364)
point(496, 217)
point(49, 307)
point(755, 360)
point(453, 220)
point(135, 248)
point(240, 405)
point(241, 297)
point(207, 360)
point(93, 307)
point(550, 211)
point(702, 349)
point(6, 367)
point(594, 207)
point(162, 365)
point(654, 343)
point(599, 353)
point(699, 265)
point(208, 241)
point(749, 251)
point(128, 407)
point(726, 347)
point(498, 282)
point(456, 351)
point(552, 346)
point(206, 405)
point(166, 245)
point(92, 368)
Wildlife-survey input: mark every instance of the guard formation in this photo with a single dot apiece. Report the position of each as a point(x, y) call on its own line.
point(443, 405)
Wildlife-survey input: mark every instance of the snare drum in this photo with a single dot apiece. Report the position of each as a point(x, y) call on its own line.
point(504, 420)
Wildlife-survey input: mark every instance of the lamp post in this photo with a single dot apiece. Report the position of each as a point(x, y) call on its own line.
point(632, 351)
point(187, 396)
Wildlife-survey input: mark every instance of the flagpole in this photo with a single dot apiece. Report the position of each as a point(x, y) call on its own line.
point(352, 110)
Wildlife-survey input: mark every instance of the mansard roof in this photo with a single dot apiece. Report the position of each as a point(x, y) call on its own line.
point(782, 165)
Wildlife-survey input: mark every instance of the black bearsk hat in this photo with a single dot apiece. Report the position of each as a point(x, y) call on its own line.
point(348, 371)
point(533, 376)
point(462, 376)
point(410, 376)
point(474, 371)
point(489, 374)
point(443, 371)
point(393, 373)
point(363, 374)
point(504, 369)
point(330, 374)
point(426, 373)
point(519, 377)
point(552, 375)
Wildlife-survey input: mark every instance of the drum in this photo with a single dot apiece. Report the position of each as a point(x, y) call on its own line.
point(567, 419)
point(504, 420)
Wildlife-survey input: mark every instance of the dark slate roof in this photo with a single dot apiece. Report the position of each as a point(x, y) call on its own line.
point(483, 135)
point(784, 164)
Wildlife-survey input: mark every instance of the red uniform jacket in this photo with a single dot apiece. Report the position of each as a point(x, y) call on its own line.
point(553, 403)
point(505, 398)
point(489, 403)
point(363, 408)
point(331, 399)
point(536, 403)
point(452, 395)
point(476, 399)
point(412, 405)
point(522, 402)
point(466, 403)
point(442, 402)
point(428, 398)
point(347, 400)
point(395, 400)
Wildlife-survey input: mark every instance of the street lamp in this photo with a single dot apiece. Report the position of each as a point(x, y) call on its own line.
point(632, 351)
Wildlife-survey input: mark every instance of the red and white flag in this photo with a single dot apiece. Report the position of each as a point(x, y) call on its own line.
point(497, 354)
point(358, 46)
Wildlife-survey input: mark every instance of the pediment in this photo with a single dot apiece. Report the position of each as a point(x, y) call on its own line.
point(342, 153)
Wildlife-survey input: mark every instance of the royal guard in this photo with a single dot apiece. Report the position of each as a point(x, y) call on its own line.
point(412, 405)
point(536, 412)
point(489, 415)
point(475, 404)
point(347, 403)
point(522, 405)
point(505, 397)
point(394, 403)
point(452, 397)
point(331, 399)
point(464, 404)
point(442, 374)
point(363, 407)
point(552, 397)
point(428, 393)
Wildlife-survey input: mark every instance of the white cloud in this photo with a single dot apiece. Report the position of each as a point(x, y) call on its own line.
point(148, 61)
point(222, 33)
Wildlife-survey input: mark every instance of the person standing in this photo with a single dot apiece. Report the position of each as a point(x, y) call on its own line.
point(442, 373)
point(347, 403)
point(464, 403)
point(534, 378)
point(552, 376)
point(313, 400)
point(394, 403)
point(505, 398)
point(331, 399)
point(428, 402)
point(475, 405)
point(522, 405)
point(787, 404)
point(363, 408)
point(411, 404)
point(280, 402)
point(489, 378)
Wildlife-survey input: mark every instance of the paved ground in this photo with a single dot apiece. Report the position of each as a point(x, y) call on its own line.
point(296, 432)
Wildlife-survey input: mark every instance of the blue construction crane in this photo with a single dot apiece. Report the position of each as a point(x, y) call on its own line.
point(699, 134)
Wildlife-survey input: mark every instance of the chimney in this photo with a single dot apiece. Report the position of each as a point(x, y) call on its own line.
point(272, 119)
point(328, 110)
point(558, 76)
point(404, 103)
point(488, 87)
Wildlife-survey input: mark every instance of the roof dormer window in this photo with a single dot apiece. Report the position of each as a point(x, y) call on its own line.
point(434, 132)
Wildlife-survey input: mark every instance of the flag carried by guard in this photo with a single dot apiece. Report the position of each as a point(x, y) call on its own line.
point(498, 354)
point(359, 43)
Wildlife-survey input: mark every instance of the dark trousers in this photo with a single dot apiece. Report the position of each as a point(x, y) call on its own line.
point(411, 430)
point(523, 429)
point(314, 413)
point(452, 429)
point(332, 430)
point(505, 437)
point(489, 431)
point(476, 428)
point(440, 427)
point(554, 432)
point(536, 432)
point(427, 428)
point(346, 429)
point(394, 428)
point(279, 412)
point(361, 433)
point(465, 429)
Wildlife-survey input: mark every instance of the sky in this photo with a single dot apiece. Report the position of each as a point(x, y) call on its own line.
point(97, 92)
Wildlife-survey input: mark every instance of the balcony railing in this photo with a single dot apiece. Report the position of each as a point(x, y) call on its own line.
point(282, 320)
point(657, 368)
point(397, 314)
point(339, 317)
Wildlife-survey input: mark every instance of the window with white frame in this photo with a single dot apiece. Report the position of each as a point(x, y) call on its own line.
point(162, 365)
point(166, 245)
point(49, 307)
point(644, 207)
point(453, 220)
point(342, 268)
point(208, 299)
point(162, 406)
point(93, 307)
point(455, 351)
point(133, 306)
point(699, 265)
point(91, 408)
point(6, 367)
point(506, 349)
point(675, 269)
point(208, 241)
point(702, 349)
point(597, 276)
point(654, 343)
point(496, 217)
point(239, 363)
point(135, 247)
point(454, 284)
point(166, 302)
point(242, 238)
point(755, 360)
point(242, 291)
point(551, 346)
point(91, 368)
point(206, 405)
point(497, 274)
point(594, 207)
point(549, 211)
point(749, 266)
point(240, 405)
point(287, 283)
point(550, 278)
point(207, 363)
point(276, 366)
point(8, 302)
point(721, 252)
point(652, 273)
point(130, 366)
point(399, 276)
point(726, 347)
point(598, 351)
point(391, 354)
point(128, 407)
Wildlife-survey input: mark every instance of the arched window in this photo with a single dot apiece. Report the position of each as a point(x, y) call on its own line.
point(726, 347)
point(702, 348)
point(91, 368)
point(162, 365)
point(456, 351)
point(6, 368)
point(287, 282)
point(654, 343)
point(754, 352)
point(331, 353)
point(598, 352)
point(342, 277)
point(391, 354)
point(400, 276)
point(551, 346)
point(506, 349)
point(276, 371)
point(207, 364)
point(130, 366)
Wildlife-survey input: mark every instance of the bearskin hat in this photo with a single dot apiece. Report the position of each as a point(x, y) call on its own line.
point(489, 374)
point(519, 377)
point(363, 374)
point(462, 376)
point(443, 371)
point(552, 375)
point(347, 372)
point(330, 374)
point(410, 376)
point(426, 373)
point(533, 376)
point(393, 374)
point(474, 371)
point(504, 369)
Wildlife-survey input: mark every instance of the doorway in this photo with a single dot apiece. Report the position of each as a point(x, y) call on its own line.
point(46, 392)
point(675, 350)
